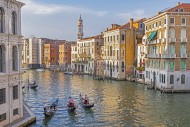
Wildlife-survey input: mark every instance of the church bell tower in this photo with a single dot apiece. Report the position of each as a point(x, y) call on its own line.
point(80, 28)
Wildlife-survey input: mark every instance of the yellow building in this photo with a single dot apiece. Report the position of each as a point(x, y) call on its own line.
point(119, 49)
point(47, 57)
point(167, 49)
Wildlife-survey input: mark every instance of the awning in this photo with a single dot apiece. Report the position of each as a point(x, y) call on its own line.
point(151, 36)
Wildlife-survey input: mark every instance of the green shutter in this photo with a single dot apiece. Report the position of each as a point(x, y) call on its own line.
point(171, 65)
point(183, 65)
point(151, 36)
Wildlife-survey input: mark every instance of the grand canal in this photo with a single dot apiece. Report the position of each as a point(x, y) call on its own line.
point(117, 104)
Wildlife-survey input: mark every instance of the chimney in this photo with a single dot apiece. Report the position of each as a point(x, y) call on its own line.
point(131, 23)
point(178, 3)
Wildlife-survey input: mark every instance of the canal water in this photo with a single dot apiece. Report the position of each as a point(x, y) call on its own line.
point(117, 103)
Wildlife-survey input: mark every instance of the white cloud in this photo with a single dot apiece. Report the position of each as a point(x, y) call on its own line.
point(137, 14)
point(47, 9)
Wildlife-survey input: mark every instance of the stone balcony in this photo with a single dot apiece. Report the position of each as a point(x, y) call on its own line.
point(168, 56)
point(153, 56)
point(183, 40)
point(172, 40)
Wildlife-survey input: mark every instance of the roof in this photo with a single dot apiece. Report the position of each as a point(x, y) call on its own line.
point(125, 26)
point(185, 6)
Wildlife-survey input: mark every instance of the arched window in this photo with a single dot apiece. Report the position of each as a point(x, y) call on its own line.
point(15, 58)
point(183, 33)
point(171, 79)
point(183, 79)
point(2, 14)
point(14, 22)
point(172, 33)
point(110, 50)
point(2, 58)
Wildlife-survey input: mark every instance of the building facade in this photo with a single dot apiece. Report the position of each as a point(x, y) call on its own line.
point(65, 56)
point(88, 52)
point(167, 47)
point(32, 53)
point(11, 101)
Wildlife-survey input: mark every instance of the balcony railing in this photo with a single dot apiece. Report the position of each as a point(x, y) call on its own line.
point(183, 55)
point(153, 56)
point(168, 55)
point(171, 40)
point(183, 40)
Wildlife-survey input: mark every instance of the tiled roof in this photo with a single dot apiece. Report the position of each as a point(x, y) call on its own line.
point(185, 6)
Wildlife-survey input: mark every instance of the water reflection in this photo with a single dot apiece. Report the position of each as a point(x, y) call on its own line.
point(116, 103)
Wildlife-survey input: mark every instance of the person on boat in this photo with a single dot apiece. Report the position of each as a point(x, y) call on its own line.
point(70, 102)
point(86, 100)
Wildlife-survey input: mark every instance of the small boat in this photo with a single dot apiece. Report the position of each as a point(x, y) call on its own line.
point(49, 110)
point(71, 104)
point(68, 72)
point(33, 85)
point(40, 69)
point(85, 102)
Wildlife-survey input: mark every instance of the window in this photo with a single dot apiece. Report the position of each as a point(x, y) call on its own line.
point(156, 24)
point(14, 59)
point(14, 22)
point(15, 112)
point(15, 92)
point(183, 21)
point(141, 25)
point(183, 49)
point(172, 33)
point(122, 65)
point(146, 28)
point(164, 79)
point(160, 23)
point(183, 33)
point(3, 117)
point(164, 21)
point(171, 65)
point(171, 20)
point(183, 64)
point(123, 37)
point(183, 79)
point(2, 58)
point(171, 79)
point(172, 49)
point(1, 20)
point(110, 50)
point(181, 10)
point(176, 10)
point(2, 96)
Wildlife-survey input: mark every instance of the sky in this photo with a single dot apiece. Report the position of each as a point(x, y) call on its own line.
point(57, 19)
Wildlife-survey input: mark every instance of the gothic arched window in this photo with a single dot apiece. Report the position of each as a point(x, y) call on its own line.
point(14, 58)
point(14, 22)
point(2, 15)
point(172, 33)
point(2, 58)
point(183, 33)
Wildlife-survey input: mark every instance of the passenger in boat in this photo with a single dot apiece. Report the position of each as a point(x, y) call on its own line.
point(70, 102)
point(86, 100)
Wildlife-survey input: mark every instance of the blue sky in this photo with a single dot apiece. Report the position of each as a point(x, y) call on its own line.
point(57, 19)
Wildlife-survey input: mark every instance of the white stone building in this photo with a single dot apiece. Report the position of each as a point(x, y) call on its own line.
point(11, 102)
point(32, 52)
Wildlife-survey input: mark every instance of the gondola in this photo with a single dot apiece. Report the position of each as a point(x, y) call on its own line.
point(90, 105)
point(71, 106)
point(33, 85)
point(49, 110)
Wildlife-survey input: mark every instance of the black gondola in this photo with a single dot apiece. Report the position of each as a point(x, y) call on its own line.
point(71, 106)
point(49, 110)
point(84, 104)
point(33, 85)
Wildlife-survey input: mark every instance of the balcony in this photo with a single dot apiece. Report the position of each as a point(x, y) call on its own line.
point(153, 56)
point(172, 40)
point(163, 40)
point(183, 40)
point(183, 55)
point(169, 56)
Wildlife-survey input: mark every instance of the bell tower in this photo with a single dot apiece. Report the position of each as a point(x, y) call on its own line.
point(80, 28)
